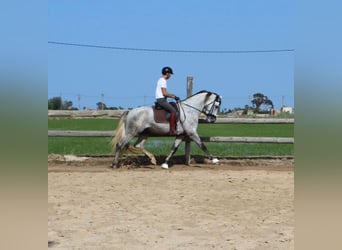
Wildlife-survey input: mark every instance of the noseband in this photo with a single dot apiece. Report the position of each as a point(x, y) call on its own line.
point(209, 112)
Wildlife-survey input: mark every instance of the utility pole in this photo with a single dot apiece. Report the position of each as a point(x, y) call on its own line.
point(61, 106)
point(79, 102)
point(189, 85)
point(189, 80)
point(102, 101)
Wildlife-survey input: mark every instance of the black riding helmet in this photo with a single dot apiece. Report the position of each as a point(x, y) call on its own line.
point(166, 70)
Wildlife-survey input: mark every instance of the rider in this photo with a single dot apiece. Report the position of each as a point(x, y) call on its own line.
point(162, 95)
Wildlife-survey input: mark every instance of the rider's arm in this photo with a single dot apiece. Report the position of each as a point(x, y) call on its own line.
point(167, 94)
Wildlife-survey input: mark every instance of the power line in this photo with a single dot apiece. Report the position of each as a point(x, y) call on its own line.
point(172, 50)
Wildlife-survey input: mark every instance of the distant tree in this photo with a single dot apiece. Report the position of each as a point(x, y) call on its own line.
point(101, 106)
point(67, 105)
point(245, 110)
point(115, 108)
point(260, 99)
point(225, 111)
point(55, 103)
point(268, 102)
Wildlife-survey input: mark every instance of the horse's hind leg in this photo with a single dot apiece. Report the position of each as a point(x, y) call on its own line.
point(140, 144)
point(119, 147)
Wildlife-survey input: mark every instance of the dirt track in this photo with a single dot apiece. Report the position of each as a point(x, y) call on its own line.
point(238, 204)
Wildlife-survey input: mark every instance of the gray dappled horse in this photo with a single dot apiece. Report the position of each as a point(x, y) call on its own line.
point(140, 122)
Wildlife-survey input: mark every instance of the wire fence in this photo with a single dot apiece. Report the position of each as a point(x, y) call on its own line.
point(86, 102)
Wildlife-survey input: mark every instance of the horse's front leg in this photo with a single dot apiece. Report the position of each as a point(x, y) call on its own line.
point(195, 137)
point(175, 146)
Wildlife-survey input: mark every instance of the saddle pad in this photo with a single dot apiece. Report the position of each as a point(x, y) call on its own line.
point(159, 115)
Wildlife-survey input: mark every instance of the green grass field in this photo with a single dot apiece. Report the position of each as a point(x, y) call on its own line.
point(162, 146)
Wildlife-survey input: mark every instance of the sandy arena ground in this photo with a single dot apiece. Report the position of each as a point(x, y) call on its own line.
point(238, 204)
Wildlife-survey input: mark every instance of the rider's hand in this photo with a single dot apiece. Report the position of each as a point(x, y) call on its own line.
point(177, 98)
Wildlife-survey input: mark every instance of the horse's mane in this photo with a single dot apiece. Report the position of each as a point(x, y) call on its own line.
point(202, 91)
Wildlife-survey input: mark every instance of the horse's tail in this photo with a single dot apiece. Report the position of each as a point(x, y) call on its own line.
point(120, 130)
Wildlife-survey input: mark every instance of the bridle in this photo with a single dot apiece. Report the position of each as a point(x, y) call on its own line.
point(209, 112)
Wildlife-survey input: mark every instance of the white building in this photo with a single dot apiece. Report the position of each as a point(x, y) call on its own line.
point(286, 109)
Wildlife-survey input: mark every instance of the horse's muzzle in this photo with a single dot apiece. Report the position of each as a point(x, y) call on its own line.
point(211, 118)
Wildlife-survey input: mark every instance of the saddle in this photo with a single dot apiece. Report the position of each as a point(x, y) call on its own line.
point(161, 115)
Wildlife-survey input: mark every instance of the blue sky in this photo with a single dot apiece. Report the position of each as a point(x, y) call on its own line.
point(127, 78)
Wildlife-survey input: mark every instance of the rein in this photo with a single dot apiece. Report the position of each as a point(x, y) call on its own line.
point(191, 107)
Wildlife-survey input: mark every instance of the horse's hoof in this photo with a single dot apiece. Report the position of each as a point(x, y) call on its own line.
point(215, 160)
point(165, 166)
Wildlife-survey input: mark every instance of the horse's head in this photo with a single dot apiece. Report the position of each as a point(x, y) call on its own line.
point(212, 105)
